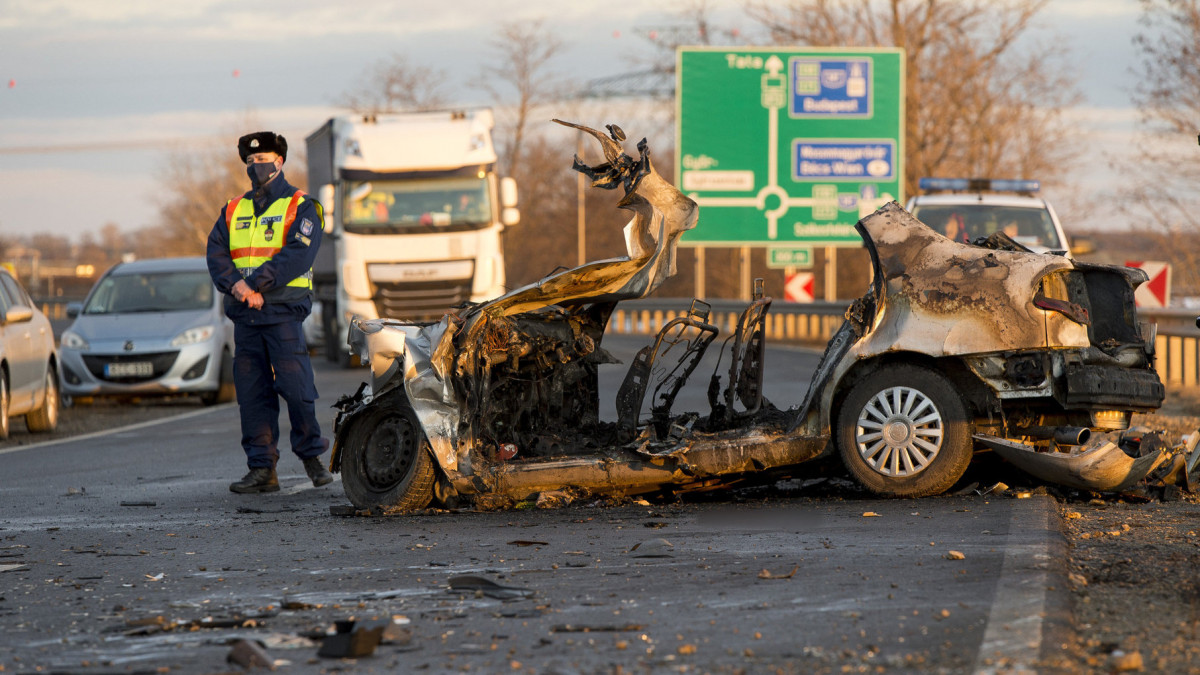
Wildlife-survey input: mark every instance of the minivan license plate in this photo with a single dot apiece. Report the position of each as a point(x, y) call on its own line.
point(129, 369)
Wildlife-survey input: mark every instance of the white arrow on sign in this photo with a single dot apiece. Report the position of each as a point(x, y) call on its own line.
point(798, 287)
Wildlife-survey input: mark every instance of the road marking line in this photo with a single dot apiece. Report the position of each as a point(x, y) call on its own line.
point(1012, 642)
point(118, 430)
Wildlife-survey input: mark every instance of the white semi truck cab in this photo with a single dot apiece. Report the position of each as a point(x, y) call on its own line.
point(413, 216)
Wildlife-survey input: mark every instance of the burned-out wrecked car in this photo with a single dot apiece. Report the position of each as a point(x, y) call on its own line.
point(954, 348)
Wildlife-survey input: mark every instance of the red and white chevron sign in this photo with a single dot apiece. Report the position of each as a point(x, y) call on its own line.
point(1157, 291)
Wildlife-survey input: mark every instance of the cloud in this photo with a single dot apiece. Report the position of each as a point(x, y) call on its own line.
point(181, 128)
point(273, 21)
point(1093, 9)
point(98, 197)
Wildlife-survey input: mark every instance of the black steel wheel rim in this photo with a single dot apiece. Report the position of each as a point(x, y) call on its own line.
point(389, 452)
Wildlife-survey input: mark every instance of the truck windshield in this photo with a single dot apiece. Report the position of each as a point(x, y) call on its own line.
point(151, 292)
point(419, 205)
point(1029, 226)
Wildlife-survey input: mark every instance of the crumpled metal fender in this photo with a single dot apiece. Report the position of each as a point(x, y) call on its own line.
point(1099, 464)
point(938, 297)
point(404, 354)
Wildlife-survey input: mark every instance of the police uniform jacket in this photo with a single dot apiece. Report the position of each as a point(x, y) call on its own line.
point(294, 259)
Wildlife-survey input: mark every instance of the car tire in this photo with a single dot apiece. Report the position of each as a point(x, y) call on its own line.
point(386, 460)
point(45, 418)
point(225, 392)
point(904, 431)
point(5, 423)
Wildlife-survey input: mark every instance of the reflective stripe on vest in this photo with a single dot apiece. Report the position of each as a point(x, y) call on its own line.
point(249, 245)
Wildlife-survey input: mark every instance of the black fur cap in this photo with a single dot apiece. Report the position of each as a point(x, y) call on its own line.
point(262, 141)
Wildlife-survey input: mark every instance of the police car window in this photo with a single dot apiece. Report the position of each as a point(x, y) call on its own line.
point(1028, 226)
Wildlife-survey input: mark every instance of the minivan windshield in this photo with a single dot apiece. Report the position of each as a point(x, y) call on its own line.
point(417, 205)
point(151, 292)
point(1028, 226)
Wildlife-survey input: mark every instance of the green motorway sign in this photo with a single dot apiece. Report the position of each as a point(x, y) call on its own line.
point(795, 256)
point(788, 146)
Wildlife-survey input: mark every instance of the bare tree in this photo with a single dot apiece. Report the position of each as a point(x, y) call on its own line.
point(395, 84)
point(693, 25)
point(521, 79)
point(976, 105)
point(197, 185)
point(1168, 98)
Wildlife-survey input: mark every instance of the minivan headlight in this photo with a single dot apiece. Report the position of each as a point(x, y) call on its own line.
point(71, 340)
point(193, 335)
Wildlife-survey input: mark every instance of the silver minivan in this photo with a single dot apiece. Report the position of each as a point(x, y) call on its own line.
point(150, 328)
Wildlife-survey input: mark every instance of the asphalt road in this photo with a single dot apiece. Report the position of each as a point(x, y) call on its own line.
point(125, 552)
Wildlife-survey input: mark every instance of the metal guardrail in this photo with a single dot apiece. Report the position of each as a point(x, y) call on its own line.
point(1177, 345)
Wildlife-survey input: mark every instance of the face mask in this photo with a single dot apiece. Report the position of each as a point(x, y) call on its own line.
point(261, 173)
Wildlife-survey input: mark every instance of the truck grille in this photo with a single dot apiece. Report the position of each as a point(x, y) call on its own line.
point(420, 301)
point(160, 363)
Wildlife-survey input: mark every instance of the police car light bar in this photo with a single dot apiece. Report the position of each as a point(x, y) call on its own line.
point(978, 185)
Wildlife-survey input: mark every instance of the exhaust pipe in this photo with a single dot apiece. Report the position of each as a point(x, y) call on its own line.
point(1061, 435)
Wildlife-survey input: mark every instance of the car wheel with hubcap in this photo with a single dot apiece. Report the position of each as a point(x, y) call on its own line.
point(904, 431)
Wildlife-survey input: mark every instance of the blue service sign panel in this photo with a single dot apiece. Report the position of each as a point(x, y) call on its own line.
point(830, 87)
point(848, 160)
point(788, 146)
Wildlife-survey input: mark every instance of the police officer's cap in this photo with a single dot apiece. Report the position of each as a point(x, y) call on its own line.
point(262, 141)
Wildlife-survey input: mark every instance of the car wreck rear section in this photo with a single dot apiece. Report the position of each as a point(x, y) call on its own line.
point(954, 347)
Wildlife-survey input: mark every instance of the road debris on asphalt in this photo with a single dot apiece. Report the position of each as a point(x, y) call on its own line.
point(767, 574)
point(481, 587)
point(351, 640)
point(249, 654)
point(652, 548)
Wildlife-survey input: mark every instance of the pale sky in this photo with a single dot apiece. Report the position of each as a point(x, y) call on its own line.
point(96, 96)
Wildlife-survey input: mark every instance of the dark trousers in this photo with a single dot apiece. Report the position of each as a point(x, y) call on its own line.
point(271, 361)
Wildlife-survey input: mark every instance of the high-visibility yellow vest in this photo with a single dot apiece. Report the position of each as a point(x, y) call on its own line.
point(253, 240)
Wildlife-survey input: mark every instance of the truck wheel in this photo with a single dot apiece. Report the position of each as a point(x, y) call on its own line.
point(386, 459)
point(45, 418)
point(904, 432)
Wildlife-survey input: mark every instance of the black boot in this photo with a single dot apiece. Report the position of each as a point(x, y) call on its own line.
point(317, 472)
point(260, 479)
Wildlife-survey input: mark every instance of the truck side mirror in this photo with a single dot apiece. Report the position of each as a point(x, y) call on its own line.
point(510, 216)
point(508, 192)
point(325, 195)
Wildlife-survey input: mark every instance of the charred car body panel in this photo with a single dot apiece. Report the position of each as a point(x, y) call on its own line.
point(987, 338)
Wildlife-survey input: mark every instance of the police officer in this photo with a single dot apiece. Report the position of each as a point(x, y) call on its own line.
point(260, 255)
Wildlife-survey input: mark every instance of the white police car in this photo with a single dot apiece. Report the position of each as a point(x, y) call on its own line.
point(965, 209)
